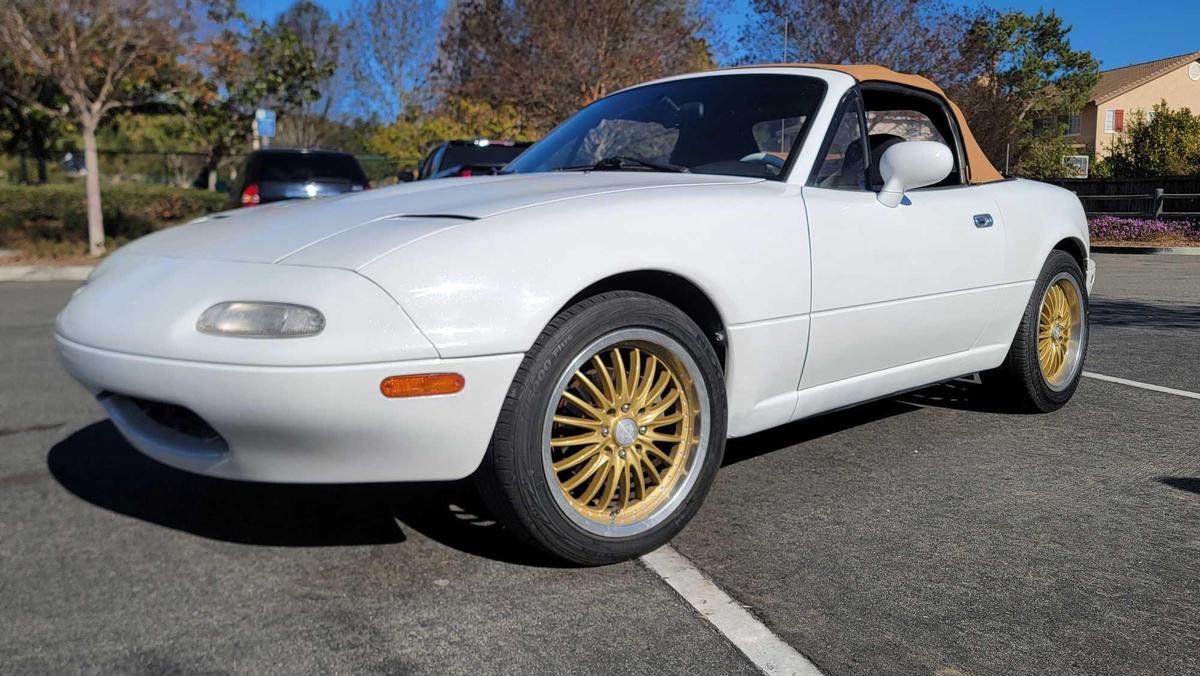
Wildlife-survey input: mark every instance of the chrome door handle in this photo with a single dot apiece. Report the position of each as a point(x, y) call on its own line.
point(983, 220)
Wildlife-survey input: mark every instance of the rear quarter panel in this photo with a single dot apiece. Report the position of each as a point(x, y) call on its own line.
point(1037, 218)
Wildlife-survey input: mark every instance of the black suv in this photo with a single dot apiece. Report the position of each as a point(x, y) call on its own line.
point(480, 157)
point(274, 174)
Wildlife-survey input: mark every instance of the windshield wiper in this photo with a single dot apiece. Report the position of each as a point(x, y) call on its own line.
point(624, 162)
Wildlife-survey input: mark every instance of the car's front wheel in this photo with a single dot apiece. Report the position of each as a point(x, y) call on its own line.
point(1045, 361)
point(611, 433)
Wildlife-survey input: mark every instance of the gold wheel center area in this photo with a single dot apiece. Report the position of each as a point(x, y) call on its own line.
point(622, 432)
point(1059, 319)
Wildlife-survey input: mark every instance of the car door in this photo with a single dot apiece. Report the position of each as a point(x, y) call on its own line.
point(893, 286)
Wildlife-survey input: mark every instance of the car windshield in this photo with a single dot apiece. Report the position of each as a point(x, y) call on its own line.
point(737, 124)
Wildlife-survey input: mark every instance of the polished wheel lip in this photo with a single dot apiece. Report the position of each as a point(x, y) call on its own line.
point(690, 471)
point(1062, 332)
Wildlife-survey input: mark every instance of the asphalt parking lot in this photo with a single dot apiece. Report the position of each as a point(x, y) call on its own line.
point(930, 533)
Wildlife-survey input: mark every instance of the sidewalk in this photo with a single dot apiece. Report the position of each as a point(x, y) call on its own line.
point(45, 273)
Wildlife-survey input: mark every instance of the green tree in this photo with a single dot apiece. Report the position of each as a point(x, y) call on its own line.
point(408, 139)
point(30, 131)
point(244, 66)
point(1166, 143)
point(1016, 69)
point(1041, 157)
point(154, 145)
point(308, 122)
point(102, 55)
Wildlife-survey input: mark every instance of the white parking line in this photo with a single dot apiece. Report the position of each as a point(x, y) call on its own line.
point(767, 651)
point(1144, 386)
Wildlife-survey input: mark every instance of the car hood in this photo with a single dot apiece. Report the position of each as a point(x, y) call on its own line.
point(355, 229)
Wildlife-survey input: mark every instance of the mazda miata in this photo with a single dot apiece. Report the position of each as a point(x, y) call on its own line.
point(684, 261)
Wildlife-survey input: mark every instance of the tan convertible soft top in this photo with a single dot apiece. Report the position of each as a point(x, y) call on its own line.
point(979, 168)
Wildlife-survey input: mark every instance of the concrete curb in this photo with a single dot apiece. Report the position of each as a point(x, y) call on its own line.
point(1176, 250)
point(45, 273)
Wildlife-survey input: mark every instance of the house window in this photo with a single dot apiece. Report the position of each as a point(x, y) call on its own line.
point(1114, 120)
point(1073, 125)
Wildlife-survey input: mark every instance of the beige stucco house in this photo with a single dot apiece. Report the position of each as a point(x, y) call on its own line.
point(1121, 91)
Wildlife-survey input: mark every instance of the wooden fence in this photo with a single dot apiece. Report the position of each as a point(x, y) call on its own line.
point(1160, 197)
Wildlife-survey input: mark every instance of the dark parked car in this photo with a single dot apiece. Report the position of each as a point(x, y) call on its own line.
point(480, 157)
point(274, 174)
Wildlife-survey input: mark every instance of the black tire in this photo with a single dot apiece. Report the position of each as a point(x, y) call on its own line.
point(514, 479)
point(1020, 382)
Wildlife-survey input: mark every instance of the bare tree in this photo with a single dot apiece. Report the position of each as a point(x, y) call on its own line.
point(103, 55)
point(391, 44)
point(307, 125)
point(549, 57)
point(912, 36)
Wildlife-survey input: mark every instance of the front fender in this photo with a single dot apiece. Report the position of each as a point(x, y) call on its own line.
point(491, 286)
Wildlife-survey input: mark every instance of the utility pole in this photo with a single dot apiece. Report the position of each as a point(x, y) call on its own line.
point(785, 39)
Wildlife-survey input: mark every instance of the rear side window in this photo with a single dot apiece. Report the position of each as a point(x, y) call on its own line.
point(305, 167)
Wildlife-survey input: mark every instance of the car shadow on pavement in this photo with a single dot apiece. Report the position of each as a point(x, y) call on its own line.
point(1124, 312)
point(960, 394)
point(1191, 484)
point(801, 431)
point(97, 465)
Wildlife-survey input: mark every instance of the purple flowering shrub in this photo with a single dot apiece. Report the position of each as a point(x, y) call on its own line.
point(1127, 229)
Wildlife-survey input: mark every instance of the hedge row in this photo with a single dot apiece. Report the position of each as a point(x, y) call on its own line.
point(58, 213)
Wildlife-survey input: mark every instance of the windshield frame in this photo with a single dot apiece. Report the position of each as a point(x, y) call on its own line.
point(820, 93)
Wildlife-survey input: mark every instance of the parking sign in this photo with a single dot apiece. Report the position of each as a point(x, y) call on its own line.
point(265, 122)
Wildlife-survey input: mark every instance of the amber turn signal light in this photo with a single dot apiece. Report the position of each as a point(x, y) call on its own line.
point(422, 385)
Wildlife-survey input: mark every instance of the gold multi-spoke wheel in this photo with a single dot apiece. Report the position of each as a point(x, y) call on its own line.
point(1045, 360)
point(623, 429)
point(1060, 322)
point(612, 432)
point(623, 432)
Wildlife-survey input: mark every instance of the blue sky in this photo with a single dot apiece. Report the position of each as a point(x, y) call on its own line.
point(1118, 32)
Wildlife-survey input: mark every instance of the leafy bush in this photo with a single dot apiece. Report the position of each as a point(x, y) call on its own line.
point(1119, 228)
point(1165, 144)
point(58, 213)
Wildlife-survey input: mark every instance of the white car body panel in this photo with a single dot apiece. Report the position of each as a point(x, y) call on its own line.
point(825, 298)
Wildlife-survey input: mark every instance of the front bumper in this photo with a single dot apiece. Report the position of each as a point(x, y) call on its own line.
point(300, 424)
point(1090, 274)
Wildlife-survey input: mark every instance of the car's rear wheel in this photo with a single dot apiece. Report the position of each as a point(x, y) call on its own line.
point(612, 431)
point(1045, 362)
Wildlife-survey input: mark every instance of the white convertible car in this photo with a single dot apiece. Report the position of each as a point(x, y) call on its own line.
point(684, 261)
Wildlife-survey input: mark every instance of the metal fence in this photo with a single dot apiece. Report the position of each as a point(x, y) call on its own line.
point(181, 169)
point(1162, 197)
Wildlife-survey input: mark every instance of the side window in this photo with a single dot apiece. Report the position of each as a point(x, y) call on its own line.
point(845, 162)
point(909, 125)
point(896, 114)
